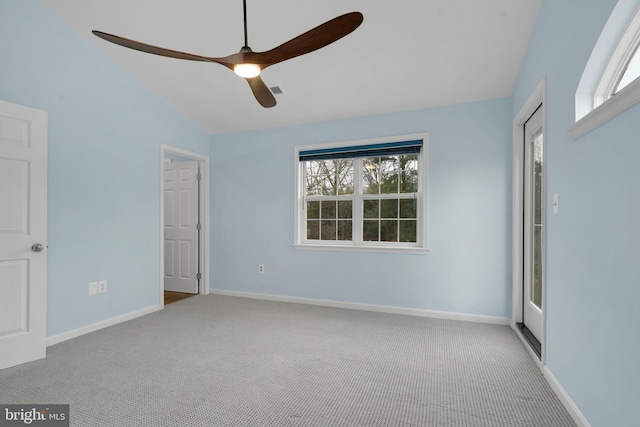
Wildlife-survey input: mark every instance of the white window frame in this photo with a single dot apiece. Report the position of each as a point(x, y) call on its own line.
point(618, 63)
point(606, 103)
point(299, 205)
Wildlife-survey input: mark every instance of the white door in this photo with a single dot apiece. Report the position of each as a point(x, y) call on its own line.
point(23, 233)
point(181, 227)
point(533, 223)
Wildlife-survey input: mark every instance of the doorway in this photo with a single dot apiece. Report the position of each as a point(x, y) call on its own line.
point(533, 230)
point(529, 233)
point(184, 225)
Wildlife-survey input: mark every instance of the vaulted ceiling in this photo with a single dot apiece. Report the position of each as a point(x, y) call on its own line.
point(407, 54)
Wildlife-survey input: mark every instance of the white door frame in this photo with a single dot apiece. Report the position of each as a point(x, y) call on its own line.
point(204, 215)
point(539, 96)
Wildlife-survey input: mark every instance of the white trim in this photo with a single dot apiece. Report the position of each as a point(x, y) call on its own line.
point(593, 104)
point(527, 346)
point(422, 245)
point(204, 216)
point(618, 62)
point(370, 249)
point(615, 105)
point(478, 318)
point(569, 405)
point(538, 97)
point(55, 339)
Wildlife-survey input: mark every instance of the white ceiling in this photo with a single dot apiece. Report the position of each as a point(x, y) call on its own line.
point(407, 54)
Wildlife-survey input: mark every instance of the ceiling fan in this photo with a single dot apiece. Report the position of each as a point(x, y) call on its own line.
point(247, 63)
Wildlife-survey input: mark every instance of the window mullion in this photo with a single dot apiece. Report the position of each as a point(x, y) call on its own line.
point(357, 202)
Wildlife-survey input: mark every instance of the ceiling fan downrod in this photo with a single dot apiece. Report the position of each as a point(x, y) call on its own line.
point(246, 69)
point(244, 10)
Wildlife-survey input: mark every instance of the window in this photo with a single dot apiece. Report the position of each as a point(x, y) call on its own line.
point(364, 195)
point(616, 86)
point(623, 67)
point(631, 72)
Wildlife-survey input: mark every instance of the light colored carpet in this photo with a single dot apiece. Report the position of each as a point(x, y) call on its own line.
point(226, 361)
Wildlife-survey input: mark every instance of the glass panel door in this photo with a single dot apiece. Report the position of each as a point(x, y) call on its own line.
point(533, 224)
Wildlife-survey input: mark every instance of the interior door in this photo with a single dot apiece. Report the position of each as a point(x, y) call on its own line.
point(181, 243)
point(23, 232)
point(533, 224)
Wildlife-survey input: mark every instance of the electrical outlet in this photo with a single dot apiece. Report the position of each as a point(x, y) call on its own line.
point(102, 286)
point(93, 288)
point(260, 268)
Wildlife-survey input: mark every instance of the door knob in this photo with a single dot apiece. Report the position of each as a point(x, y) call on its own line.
point(37, 247)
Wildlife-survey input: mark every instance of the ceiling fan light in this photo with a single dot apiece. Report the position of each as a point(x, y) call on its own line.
point(247, 70)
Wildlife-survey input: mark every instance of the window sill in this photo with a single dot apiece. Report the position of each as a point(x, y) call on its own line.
point(615, 105)
point(370, 249)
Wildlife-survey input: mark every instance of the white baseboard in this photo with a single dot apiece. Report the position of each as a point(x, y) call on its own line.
point(369, 307)
point(566, 401)
point(55, 339)
point(526, 344)
point(571, 407)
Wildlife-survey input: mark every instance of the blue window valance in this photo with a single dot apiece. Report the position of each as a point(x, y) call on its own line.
point(371, 150)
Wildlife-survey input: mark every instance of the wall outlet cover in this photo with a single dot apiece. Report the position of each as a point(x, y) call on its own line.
point(102, 286)
point(93, 288)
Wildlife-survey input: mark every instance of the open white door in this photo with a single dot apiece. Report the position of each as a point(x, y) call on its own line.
point(533, 224)
point(23, 233)
point(181, 227)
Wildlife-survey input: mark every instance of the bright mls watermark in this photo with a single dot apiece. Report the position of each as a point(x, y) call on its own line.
point(34, 415)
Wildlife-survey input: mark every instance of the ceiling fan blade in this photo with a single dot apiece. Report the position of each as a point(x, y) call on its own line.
point(314, 39)
point(147, 48)
point(262, 92)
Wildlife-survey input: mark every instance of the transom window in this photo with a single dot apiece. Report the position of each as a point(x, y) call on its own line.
point(631, 72)
point(624, 65)
point(618, 87)
point(362, 197)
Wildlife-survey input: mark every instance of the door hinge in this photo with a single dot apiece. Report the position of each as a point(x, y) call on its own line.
point(199, 276)
point(199, 176)
point(198, 227)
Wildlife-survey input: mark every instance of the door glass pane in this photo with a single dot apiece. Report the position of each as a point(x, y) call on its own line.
point(538, 213)
point(536, 282)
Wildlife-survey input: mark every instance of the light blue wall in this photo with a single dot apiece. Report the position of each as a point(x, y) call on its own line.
point(105, 130)
point(104, 134)
point(593, 268)
point(468, 268)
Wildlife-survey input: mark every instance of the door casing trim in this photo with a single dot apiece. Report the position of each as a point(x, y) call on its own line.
point(539, 96)
point(204, 216)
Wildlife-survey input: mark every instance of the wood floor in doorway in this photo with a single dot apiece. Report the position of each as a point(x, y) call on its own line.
point(170, 296)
